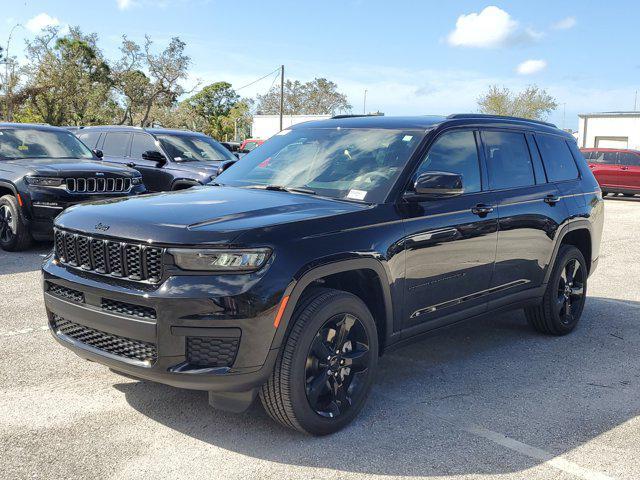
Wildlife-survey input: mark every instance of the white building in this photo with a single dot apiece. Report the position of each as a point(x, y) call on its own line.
point(265, 126)
point(609, 130)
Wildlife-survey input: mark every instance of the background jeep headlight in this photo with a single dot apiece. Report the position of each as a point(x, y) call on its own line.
point(221, 260)
point(44, 181)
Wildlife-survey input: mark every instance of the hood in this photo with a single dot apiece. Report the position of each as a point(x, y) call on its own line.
point(66, 167)
point(200, 215)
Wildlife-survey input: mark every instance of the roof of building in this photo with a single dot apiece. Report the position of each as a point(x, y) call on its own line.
point(629, 113)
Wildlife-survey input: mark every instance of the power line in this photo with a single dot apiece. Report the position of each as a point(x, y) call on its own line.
point(256, 81)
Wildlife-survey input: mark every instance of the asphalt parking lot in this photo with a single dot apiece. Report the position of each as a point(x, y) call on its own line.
point(486, 399)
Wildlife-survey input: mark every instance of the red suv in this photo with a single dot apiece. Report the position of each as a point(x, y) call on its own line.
point(617, 171)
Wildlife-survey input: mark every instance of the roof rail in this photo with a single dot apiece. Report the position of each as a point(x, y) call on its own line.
point(498, 117)
point(356, 115)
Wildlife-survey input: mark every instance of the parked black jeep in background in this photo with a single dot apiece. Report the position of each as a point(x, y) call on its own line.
point(44, 170)
point(332, 243)
point(167, 159)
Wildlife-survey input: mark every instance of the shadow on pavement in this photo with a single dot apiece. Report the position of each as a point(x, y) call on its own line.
point(552, 393)
point(27, 261)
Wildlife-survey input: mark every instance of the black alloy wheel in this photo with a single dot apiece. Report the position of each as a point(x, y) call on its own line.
point(6, 224)
point(570, 291)
point(336, 363)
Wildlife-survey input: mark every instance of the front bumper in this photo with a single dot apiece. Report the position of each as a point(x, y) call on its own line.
point(45, 204)
point(188, 310)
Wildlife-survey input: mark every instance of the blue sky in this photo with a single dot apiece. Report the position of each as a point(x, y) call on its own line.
point(417, 57)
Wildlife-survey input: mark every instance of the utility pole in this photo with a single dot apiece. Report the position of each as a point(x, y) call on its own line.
point(281, 94)
point(364, 104)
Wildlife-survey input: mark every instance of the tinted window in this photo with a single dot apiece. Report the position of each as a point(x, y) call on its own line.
point(557, 158)
point(455, 152)
point(194, 148)
point(609, 158)
point(142, 143)
point(89, 138)
point(509, 160)
point(116, 144)
point(631, 159)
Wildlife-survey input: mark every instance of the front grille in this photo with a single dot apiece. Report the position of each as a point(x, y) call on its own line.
point(128, 309)
point(119, 259)
point(106, 342)
point(98, 184)
point(65, 292)
point(211, 352)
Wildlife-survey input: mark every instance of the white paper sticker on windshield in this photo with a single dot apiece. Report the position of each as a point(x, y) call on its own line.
point(407, 138)
point(357, 194)
point(283, 132)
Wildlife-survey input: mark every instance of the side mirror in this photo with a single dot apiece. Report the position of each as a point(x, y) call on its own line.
point(98, 153)
point(436, 185)
point(224, 165)
point(155, 156)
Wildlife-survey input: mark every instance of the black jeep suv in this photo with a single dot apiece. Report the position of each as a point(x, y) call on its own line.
point(44, 170)
point(167, 159)
point(332, 243)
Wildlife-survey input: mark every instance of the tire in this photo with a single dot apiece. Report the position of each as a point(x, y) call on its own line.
point(564, 299)
point(14, 234)
point(628, 194)
point(300, 390)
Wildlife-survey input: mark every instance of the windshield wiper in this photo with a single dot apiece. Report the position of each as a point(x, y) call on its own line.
point(281, 188)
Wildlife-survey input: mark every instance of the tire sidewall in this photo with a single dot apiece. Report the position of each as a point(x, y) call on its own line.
point(568, 253)
point(12, 205)
point(306, 416)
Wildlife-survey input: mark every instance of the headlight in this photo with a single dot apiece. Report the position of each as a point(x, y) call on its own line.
point(221, 260)
point(136, 181)
point(44, 181)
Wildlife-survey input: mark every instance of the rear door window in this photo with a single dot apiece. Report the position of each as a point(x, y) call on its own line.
point(557, 158)
point(630, 159)
point(116, 144)
point(508, 158)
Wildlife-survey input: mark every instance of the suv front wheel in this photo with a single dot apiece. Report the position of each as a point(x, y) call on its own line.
point(14, 235)
point(325, 368)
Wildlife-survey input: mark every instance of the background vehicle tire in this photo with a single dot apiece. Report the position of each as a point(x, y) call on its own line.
point(563, 301)
point(14, 235)
point(325, 369)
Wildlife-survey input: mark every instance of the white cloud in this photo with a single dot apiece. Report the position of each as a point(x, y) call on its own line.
point(565, 23)
point(41, 21)
point(530, 67)
point(492, 27)
point(124, 4)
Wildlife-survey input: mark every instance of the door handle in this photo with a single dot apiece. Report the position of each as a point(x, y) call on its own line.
point(482, 210)
point(624, 168)
point(551, 199)
point(130, 165)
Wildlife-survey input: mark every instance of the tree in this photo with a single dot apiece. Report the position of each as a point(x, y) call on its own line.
point(213, 104)
point(318, 97)
point(533, 102)
point(146, 80)
point(68, 79)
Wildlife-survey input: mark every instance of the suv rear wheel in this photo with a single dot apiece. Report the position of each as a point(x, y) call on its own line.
point(325, 369)
point(14, 235)
point(563, 301)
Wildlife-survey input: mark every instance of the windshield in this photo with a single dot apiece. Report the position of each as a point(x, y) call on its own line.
point(16, 143)
point(194, 148)
point(346, 163)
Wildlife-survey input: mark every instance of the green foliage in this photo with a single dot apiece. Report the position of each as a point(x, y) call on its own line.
point(533, 102)
point(318, 97)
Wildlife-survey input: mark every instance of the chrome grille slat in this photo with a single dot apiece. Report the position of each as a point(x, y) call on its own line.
point(131, 261)
point(98, 184)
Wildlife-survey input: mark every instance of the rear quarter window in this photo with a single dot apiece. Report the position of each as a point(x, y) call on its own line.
point(557, 158)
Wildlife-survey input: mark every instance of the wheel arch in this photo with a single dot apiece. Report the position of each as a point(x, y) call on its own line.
point(577, 233)
point(340, 275)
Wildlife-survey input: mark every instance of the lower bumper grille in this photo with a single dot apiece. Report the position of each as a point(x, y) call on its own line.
point(107, 342)
point(65, 293)
point(128, 309)
point(211, 352)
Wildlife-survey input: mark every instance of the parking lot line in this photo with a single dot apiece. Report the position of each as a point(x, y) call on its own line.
point(535, 453)
point(24, 331)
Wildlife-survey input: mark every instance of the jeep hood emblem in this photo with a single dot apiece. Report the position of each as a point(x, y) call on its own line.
point(102, 227)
